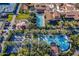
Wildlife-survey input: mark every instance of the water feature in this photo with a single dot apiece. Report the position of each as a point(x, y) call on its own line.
point(40, 20)
point(61, 41)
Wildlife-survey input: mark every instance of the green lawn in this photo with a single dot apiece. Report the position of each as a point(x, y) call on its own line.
point(23, 16)
point(10, 18)
point(20, 16)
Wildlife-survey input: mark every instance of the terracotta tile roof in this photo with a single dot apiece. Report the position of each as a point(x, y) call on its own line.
point(51, 15)
point(24, 7)
point(74, 14)
point(67, 7)
point(40, 6)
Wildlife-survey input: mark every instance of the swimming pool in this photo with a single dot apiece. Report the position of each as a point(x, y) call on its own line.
point(40, 20)
point(61, 41)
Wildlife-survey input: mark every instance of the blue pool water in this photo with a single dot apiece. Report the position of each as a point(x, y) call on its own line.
point(39, 20)
point(60, 40)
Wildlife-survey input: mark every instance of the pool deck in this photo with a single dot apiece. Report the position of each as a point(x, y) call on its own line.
point(58, 42)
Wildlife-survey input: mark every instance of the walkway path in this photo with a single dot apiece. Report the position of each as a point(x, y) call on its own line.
point(76, 53)
point(12, 22)
point(14, 16)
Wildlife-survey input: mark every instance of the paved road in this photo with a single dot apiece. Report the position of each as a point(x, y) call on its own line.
point(14, 16)
point(76, 53)
point(12, 23)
